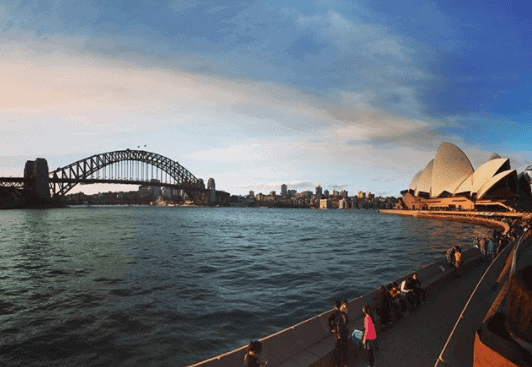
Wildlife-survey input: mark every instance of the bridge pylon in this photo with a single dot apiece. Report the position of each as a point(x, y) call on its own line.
point(36, 183)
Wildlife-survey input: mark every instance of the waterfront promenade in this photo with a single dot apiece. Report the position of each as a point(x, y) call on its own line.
point(418, 339)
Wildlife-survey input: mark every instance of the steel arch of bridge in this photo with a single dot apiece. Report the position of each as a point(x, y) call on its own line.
point(62, 180)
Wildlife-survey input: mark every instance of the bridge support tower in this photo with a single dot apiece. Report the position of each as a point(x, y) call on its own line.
point(36, 182)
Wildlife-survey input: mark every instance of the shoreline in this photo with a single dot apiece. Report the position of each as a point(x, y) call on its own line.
point(308, 342)
point(484, 218)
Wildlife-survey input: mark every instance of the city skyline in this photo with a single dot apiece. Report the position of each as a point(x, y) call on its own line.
point(352, 95)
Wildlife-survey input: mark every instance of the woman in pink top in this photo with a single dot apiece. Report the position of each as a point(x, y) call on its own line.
point(369, 333)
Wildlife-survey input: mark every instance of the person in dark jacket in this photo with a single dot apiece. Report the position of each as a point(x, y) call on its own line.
point(251, 359)
point(384, 307)
point(407, 290)
point(340, 329)
point(450, 256)
point(343, 330)
point(398, 300)
point(332, 317)
point(418, 291)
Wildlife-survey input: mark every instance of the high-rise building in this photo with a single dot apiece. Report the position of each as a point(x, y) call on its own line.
point(284, 189)
point(319, 191)
point(335, 193)
point(326, 193)
point(361, 195)
point(343, 193)
point(252, 194)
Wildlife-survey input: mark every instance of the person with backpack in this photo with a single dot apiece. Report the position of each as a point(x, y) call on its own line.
point(331, 321)
point(339, 323)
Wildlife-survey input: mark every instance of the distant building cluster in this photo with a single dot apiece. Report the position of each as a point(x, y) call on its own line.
point(320, 198)
point(152, 193)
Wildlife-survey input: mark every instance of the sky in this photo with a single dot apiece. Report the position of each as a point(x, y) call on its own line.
point(349, 95)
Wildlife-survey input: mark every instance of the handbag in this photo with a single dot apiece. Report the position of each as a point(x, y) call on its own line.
point(356, 338)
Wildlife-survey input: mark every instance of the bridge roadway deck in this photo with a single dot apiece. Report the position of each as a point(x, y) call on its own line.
point(418, 339)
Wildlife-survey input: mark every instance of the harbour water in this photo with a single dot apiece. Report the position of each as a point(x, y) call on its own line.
point(129, 286)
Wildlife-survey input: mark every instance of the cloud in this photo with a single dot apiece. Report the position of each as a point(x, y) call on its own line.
point(237, 91)
point(338, 53)
point(87, 97)
point(367, 58)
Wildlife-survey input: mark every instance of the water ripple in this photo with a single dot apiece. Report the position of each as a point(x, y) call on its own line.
point(153, 286)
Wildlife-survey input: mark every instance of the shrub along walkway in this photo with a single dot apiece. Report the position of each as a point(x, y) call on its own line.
point(417, 339)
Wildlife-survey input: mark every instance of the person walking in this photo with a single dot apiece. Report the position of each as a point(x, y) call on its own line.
point(482, 245)
point(458, 261)
point(370, 335)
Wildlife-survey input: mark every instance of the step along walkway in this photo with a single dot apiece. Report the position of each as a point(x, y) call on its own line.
point(418, 339)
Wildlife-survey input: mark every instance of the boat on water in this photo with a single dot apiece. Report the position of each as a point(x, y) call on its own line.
point(480, 336)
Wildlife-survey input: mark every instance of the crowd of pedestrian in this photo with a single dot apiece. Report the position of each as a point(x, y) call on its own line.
point(491, 246)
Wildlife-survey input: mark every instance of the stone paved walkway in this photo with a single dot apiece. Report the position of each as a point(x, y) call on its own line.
point(417, 339)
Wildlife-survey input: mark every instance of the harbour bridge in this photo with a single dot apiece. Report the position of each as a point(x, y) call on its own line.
point(134, 167)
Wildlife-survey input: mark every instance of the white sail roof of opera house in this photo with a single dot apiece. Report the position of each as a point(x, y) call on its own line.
point(483, 174)
point(425, 180)
point(451, 168)
point(415, 180)
point(491, 182)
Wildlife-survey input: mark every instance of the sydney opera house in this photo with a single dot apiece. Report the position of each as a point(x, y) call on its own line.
point(449, 182)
